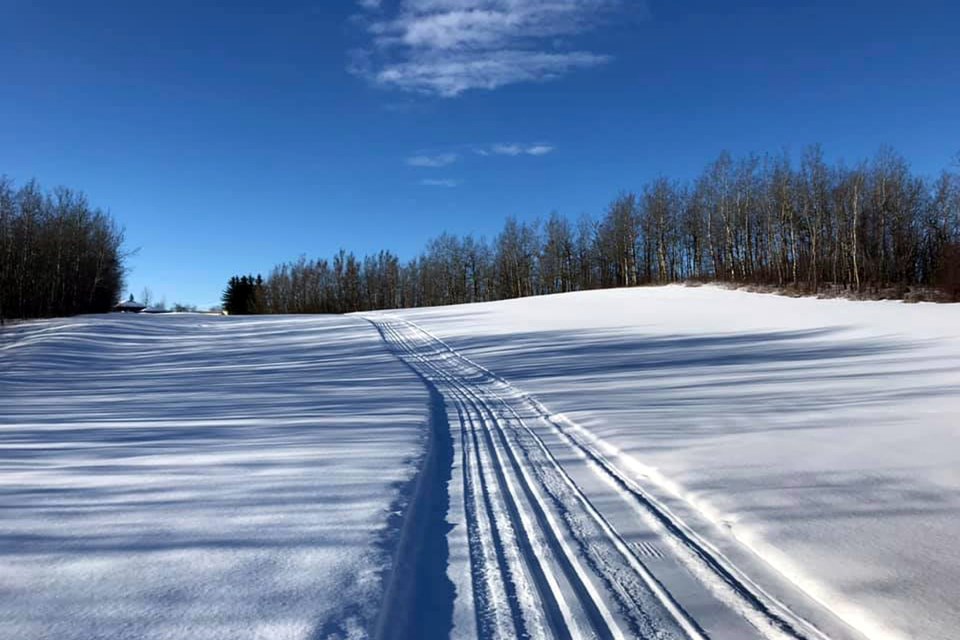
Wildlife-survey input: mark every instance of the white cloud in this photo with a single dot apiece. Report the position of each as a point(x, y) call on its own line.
point(539, 150)
point(507, 149)
point(515, 149)
point(446, 47)
point(445, 159)
point(440, 182)
point(441, 160)
point(449, 76)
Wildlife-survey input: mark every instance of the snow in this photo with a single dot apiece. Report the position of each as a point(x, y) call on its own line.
point(663, 462)
point(812, 442)
point(200, 477)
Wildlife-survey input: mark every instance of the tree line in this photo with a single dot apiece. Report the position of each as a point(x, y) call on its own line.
point(59, 256)
point(874, 229)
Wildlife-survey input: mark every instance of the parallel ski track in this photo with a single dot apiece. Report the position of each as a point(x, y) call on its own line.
point(540, 553)
point(544, 561)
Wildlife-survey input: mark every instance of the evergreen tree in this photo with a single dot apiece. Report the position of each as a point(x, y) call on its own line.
point(244, 295)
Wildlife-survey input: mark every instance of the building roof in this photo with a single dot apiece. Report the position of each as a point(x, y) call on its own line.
point(129, 304)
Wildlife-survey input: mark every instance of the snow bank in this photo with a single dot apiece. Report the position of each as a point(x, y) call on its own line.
point(199, 477)
point(822, 436)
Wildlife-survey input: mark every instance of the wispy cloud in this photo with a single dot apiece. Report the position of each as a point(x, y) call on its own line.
point(521, 150)
point(539, 150)
point(446, 47)
point(440, 182)
point(516, 150)
point(440, 160)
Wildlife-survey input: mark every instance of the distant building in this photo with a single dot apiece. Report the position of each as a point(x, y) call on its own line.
point(129, 306)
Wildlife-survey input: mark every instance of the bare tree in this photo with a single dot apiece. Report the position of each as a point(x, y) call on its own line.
point(749, 220)
point(58, 255)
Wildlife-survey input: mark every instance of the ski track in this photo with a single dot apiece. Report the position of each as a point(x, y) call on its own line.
point(544, 562)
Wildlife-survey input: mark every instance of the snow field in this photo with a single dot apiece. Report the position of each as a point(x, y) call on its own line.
point(200, 477)
point(664, 462)
point(812, 443)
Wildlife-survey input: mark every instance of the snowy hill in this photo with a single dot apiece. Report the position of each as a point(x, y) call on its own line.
point(821, 437)
point(662, 462)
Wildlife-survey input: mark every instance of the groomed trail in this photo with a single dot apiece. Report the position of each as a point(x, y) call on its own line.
point(550, 539)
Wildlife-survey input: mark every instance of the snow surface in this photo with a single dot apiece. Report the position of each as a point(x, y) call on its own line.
point(816, 438)
point(663, 462)
point(197, 477)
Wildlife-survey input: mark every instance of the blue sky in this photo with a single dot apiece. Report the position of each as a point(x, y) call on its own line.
point(227, 137)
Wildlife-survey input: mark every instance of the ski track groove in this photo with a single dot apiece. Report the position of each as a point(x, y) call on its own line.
point(544, 561)
point(509, 575)
point(493, 584)
point(521, 546)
